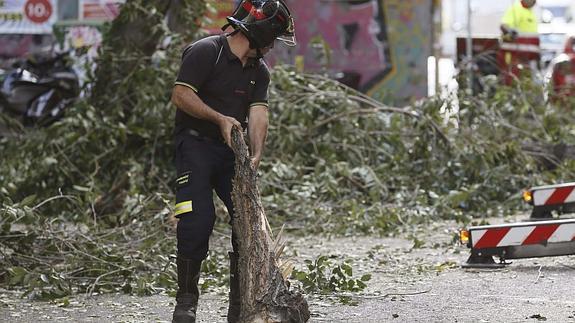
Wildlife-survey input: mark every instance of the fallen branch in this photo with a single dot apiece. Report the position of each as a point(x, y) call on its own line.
point(374, 107)
point(389, 294)
point(90, 289)
point(264, 291)
point(39, 205)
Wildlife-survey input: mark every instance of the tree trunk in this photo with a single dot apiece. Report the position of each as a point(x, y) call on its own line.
point(134, 36)
point(125, 57)
point(265, 295)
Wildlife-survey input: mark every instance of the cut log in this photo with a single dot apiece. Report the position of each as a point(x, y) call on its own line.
point(264, 291)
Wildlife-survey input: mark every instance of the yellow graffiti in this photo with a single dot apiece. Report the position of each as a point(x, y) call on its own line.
point(377, 87)
point(400, 15)
point(300, 63)
point(11, 16)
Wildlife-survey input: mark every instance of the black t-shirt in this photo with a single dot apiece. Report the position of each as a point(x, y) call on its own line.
point(217, 76)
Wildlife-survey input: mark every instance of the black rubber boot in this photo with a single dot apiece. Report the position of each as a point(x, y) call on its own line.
point(234, 307)
point(188, 292)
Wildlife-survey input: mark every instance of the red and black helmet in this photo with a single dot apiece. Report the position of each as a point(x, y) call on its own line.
point(264, 21)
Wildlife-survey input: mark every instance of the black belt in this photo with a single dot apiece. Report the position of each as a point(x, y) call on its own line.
point(196, 134)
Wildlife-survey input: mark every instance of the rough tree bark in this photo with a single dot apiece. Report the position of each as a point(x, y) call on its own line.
point(265, 294)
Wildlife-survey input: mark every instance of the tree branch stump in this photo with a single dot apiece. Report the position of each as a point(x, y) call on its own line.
point(264, 292)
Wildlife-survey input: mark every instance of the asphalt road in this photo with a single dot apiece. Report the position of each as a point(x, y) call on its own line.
point(408, 284)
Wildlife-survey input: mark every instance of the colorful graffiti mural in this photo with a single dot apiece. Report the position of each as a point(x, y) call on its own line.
point(378, 46)
point(409, 26)
point(356, 33)
point(383, 43)
point(14, 45)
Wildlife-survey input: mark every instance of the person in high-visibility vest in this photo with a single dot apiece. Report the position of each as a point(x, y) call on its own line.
point(519, 18)
point(520, 46)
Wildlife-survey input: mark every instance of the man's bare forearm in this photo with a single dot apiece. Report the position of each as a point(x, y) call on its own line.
point(258, 130)
point(188, 101)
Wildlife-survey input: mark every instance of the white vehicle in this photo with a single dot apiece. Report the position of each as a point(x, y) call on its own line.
point(556, 11)
point(557, 20)
point(552, 37)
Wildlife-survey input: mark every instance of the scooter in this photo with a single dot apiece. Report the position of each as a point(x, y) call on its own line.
point(38, 91)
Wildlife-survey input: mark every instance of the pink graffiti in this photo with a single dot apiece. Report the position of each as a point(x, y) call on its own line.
point(325, 19)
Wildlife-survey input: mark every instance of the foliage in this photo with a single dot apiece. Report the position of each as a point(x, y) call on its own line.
point(100, 178)
point(337, 162)
point(53, 258)
point(131, 40)
point(84, 202)
point(215, 273)
point(111, 147)
point(344, 163)
point(324, 277)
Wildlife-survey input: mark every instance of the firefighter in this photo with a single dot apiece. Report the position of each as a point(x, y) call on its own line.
point(222, 83)
point(519, 18)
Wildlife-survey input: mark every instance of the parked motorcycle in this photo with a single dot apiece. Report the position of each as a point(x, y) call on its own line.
point(38, 90)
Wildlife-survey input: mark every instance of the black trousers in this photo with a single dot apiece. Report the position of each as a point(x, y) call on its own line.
point(203, 165)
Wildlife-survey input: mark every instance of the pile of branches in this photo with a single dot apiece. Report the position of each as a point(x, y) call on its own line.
point(84, 203)
point(52, 258)
point(344, 163)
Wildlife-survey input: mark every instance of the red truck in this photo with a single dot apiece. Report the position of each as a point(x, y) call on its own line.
point(563, 72)
point(506, 59)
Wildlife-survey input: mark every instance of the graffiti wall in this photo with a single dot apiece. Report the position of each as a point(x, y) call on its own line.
point(14, 45)
point(28, 26)
point(378, 46)
point(409, 29)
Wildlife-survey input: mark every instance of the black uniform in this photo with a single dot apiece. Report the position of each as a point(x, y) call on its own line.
point(203, 161)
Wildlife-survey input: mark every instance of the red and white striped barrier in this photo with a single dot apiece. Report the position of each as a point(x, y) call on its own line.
point(522, 234)
point(553, 194)
point(519, 240)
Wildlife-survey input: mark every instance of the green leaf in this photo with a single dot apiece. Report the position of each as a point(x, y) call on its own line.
point(81, 188)
point(17, 275)
point(49, 161)
point(44, 278)
point(360, 284)
point(28, 201)
point(347, 268)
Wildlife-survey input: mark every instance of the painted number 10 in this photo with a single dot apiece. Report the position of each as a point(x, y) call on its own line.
point(38, 11)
